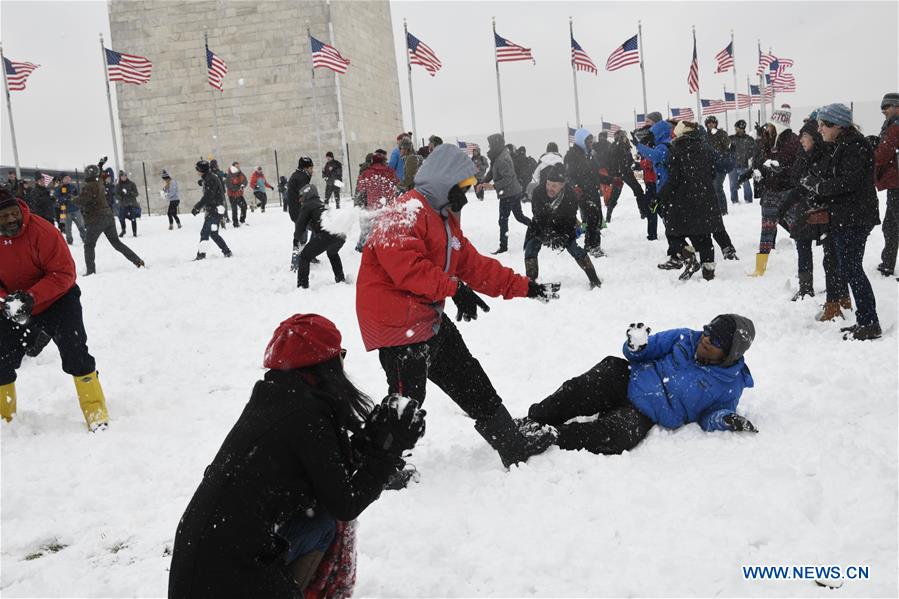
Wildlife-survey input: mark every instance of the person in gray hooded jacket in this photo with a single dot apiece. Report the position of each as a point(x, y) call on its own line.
point(508, 188)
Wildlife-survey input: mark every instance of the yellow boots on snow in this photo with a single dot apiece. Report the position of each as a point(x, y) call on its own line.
point(90, 397)
point(761, 263)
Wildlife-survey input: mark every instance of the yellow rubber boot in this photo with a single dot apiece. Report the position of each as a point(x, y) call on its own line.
point(761, 263)
point(93, 403)
point(8, 401)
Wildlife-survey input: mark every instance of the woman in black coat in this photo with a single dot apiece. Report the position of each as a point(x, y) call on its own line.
point(847, 190)
point(287, 472)
point(691, 206)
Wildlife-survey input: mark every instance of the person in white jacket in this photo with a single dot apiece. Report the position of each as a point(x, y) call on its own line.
point(169, 192)
point(549, 158)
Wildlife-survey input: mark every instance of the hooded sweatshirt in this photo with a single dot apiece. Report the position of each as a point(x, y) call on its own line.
point(502, 170)
point(659, 153)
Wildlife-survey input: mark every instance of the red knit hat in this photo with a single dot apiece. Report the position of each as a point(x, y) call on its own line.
point(302, 340)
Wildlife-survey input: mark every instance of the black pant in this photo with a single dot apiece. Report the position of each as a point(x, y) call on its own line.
point(701, 243)
point(172, 213)
point(107, 228)
point(890, 228)
point(837, 287)
point(722, 239)
point(507, 206)
point(331, 189)
point(63, 322)
point(211, 229)
point(321, 243)
point(652, 219)
point(235, 204)
point(591, 213)
point(261, 199)
point(443, 359)
point(129, 213)
point(601, 392)
point(631, 181)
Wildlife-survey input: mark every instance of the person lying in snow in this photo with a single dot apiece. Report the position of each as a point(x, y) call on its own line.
point(671, 378)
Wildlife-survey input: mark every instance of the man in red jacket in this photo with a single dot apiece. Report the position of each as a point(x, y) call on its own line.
point(886, 172)
point(38, 290)
point(415, 258)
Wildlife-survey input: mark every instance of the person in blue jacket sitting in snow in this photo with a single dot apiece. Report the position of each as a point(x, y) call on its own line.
point(671, 378)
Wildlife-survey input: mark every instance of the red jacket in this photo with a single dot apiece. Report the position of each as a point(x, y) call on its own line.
point(404, 277)
point(254, 178)
point(649, 175)
point(37, 260)
point(886, 170)
point(376, 183)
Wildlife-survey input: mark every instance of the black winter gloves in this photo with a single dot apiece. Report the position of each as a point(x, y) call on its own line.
point(738, 424)
point(17, 307)
point(543, 292)
point(395, 425)
point(194, 211)
point(637, 336)
point(467, 303)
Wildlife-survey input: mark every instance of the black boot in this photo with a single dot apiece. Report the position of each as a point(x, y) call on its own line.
point(673, 263)
point(806, 287)
point(708, 271)
point(587, 266)
point(531, 268)
point(501, 432)
point(200, 256)
point(303, 274)
point(730, 253)
point(500, 250)
point(691, 264)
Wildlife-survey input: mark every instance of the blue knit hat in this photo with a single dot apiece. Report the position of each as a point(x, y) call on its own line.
point(838, 114)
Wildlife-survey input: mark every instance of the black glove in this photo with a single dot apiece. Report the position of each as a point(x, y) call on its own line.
point(200, 182)
point(744, 176)
point(637, 336)
point(634, 138)
point(810, 182)
point(194, 211)
point(392, 431)
point(102, 162)
point(467, 303)
point(17, 307)
point(543, 291)
point(738, 424)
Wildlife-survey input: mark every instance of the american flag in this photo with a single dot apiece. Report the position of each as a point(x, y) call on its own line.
point(626, 54)
point(640, 120)
point(778, 77)
point(468, 147)
point(571, 133)
point(421, 54)
point(743, 101)
point(17, 73)
point(128, 68)
point(46, 179)
point(327, 56)
point(785, 83)
point(682, 114)
point(506, 51)
point(217, 69)
point(725, 59)
point(764, 62)
point(693, 75)
point(580, 60)
point(730, 101)
point(757, 94)
point(713, 107)
point(610, 127)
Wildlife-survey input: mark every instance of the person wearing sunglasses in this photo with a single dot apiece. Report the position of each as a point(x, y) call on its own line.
point(846, 189)
point(886, 171)
point(672, 378)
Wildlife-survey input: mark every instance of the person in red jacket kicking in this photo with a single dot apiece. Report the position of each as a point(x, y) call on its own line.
point(415, 258)
point(38, 290)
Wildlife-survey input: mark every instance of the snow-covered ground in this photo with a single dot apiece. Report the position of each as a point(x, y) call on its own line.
point(179, 346)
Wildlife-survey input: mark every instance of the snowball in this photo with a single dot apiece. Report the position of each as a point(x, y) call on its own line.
point(240, 82)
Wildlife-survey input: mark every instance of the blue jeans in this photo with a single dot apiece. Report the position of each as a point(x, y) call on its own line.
point(747, 189)
point(534, 245)
point(850, 245)
point(211, 229)
point(509, 206)
point(306, 534)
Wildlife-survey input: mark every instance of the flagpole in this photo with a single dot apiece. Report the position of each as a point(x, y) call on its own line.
point(115, 143)
point(642, 70)
point(577, 107)
point(733, 57)
point(12, 130)
point(773, 91)
point(499, 92)
point(215, 110)
point(726, 123)
point(668, 104)
point(761, 88)
point(698, 92)
point(318, 137)
point(635, 117)
point(409, 69)
point(749, 106)
point(341, 124)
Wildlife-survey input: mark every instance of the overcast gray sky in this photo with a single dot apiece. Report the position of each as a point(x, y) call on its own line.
point(843, 51)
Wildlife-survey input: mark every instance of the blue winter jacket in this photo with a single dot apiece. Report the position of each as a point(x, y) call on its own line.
point(396, 163)
point(670, 387)
point(580, 138)
point(661, 131)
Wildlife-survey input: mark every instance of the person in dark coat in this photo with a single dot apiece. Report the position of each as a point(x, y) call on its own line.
point(69, 213)
point(847, 190)
point(481, 164)
point(691, 207)
point(129, 208)
point(720, 141)
point(583, 175)
point(310, 216)
point(554, 224)
point(672, 378)
point(621, 169)
point(297, 464)
point(39, 200)
point(508, 188)
point(212, 203)
point(886, 164)
point(332, 173)
point(298, 180)
point(99, 220)
point(744, 150)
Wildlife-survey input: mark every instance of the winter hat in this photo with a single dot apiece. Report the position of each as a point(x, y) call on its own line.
point(302, 340)
point(259, 169)
point(377, 158)
point(734, 333)
point(838, 114)
point(655, 117)
point(555, 173)
point(122, 174)
point(202, 166)
point(435, 140)
point(165, 174)
point(889, 100)
point(580, 138)
point(6, 199)
point(711, 119)
point(552, 147)
point(741, 124)
point(683, 127)
point(721, 332)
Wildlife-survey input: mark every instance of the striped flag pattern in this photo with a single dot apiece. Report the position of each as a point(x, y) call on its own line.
point(217, 69)
point(610, 128)
point(693, 75)
point(743, 101)
point(46, 179)
point(640, 120)
point(764, 62)
point(626, 54)
point(730, 101)
point(328, 57)
point(682, 114)
point(778, 77)
point(506, 51)
point(580, 60)
point(725, 59)
point(128, 68)
point(468, 147)
point(713, 107)
point(571, 133)
point(17, 73)
point(422, 55)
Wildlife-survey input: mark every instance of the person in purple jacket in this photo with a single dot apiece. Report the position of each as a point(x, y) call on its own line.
point(671, 379)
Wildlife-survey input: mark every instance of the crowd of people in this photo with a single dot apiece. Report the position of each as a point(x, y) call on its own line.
point(274, 512)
